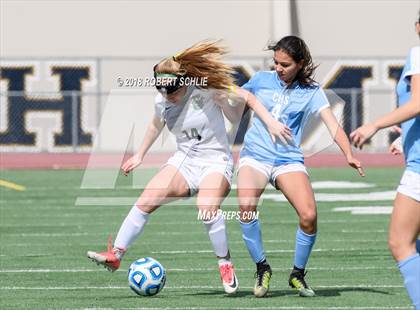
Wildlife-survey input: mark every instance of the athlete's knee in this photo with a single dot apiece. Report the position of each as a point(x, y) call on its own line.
point(400, 248)
point(308, 219)
point(209, 202)
point(248, 203)
point(207, 212)
point(149, 202)
point(248, 211)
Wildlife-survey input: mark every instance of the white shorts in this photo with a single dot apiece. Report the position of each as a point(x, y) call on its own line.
point(271, 172)
point(195, 169)
point(410, 185)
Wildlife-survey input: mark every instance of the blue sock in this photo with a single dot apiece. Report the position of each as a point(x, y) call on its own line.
point(304, 243)
point(410, 269)
point(251, 233)
point(418, 245)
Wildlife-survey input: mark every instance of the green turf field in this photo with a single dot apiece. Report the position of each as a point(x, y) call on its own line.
point(45, 236)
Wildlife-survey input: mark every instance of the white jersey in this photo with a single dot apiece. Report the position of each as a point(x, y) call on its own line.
point(197, 123)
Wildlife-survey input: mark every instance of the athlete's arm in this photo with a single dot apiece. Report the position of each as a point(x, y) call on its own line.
point(232, 112)
point(340, 137)
point(409, 110)
point(274, 127)
point(152, 133)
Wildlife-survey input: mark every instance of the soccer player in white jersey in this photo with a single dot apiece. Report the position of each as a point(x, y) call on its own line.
point(293, 97)
point(405, 220)
point(202, 164)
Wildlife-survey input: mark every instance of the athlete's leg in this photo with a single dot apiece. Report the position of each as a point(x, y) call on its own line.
point(251, 184)
point(298, 191)
point(212, 191)
point(167, 185)
point(403, 232)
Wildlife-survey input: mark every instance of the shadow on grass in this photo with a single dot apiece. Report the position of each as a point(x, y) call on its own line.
point(333, 292)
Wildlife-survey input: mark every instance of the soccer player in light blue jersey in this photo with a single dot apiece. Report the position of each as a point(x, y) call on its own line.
point(293, 97)
point(405, 220)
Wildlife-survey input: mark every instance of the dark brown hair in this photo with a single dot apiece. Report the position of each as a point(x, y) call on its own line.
point(297, 49)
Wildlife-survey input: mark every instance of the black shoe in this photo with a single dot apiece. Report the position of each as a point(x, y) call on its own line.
point(297, 281)
point(262, 279)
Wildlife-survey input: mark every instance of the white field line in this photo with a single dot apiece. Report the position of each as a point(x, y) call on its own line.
point(315, 185)
point(341, 184)
point(350, 231)
point(334, 185)
point(255, 308)
point(83, 270)
point(291, 241)
point(320, 197)
point(360, 250)
point(258, 308)
point(365, 210)
point(325, 197)
point(41, 288)
point(268, 251)
point(129, 201)
point(51, 234)
point(197, 222)
point(77, 234)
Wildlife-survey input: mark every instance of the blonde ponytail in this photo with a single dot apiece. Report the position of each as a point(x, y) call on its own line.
point(202, 60)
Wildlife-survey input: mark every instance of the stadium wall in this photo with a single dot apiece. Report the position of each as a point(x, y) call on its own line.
point(61, 62)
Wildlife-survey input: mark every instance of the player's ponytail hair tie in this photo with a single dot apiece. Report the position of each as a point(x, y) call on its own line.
point(176, 57)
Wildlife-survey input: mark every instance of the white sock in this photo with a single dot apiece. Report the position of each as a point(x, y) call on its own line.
point(223, 261)
point(216, 229)
point(131, 228)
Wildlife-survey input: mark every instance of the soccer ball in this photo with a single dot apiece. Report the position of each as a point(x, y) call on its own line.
point(146, 276)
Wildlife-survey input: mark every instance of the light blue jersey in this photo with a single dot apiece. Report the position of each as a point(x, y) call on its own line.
point(410, 128)
point(292, 106)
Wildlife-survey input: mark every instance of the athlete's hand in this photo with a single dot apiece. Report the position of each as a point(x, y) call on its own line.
point(356, 164)
point(362, 134)
point(396, 129)
point(396, 147)
point(133, 162)
point(281, 131)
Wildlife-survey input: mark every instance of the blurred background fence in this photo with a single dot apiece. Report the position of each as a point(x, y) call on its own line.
point(57, 105)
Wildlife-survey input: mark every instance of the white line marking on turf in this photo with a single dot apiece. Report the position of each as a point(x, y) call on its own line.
point(365, 210)
point(291, 241)
point(334, 184)
point(269, 251)
point(341, 184)
point(350, 231)
point(82, 270)
point(197, 222)
point(52, 235)
point(325, 197)
point(129, 201)
point(46, 288)
point(360, 250)
point(256, 308)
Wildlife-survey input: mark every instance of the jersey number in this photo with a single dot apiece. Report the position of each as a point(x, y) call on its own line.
point(194, 134)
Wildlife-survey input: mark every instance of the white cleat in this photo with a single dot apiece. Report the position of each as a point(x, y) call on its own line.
point(229, 279)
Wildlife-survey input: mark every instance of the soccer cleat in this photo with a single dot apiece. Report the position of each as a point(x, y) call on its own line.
point(297, 281)
point(262, 280)
point(110, 259)
point(229, 279)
